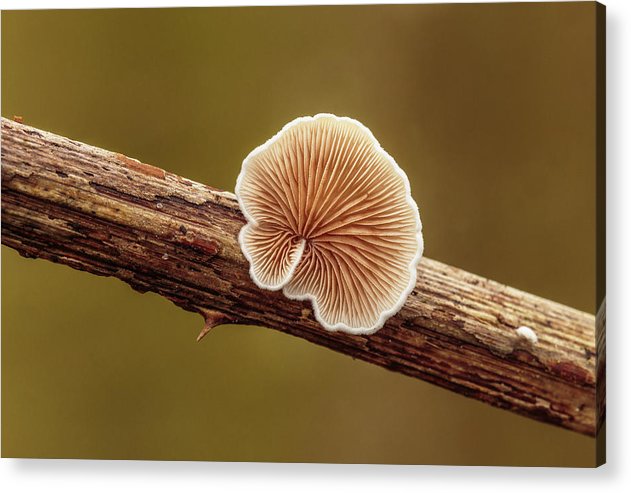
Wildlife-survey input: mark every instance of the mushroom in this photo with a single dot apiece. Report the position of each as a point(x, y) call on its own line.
point(330, 219)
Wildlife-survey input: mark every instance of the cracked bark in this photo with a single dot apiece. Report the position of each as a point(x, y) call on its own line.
point(111, 215)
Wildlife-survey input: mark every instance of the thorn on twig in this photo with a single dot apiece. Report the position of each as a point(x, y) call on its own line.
point(212, 319)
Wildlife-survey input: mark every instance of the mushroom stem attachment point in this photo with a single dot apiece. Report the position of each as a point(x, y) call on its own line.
point(212, 319)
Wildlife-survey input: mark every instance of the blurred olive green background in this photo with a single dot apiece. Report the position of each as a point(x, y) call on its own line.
point(490, 109)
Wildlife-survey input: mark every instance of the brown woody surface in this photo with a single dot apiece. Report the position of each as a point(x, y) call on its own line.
point(111, 215)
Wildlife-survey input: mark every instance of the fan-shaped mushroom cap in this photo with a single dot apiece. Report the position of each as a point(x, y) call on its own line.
point(330, 219)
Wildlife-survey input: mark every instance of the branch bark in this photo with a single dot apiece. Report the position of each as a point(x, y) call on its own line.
point(111, 215)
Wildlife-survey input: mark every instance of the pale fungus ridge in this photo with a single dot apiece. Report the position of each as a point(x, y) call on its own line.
point(330, 219)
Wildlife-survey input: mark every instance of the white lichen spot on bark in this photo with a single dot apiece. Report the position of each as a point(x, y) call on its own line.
point(527, 334)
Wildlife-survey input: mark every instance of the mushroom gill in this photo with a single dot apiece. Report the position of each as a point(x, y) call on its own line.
point(330, 218)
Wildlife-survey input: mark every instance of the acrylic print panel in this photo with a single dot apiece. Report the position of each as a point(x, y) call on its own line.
point(493, 111)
